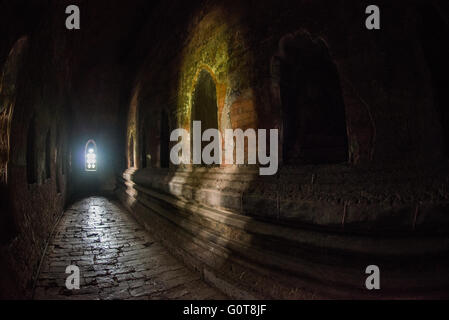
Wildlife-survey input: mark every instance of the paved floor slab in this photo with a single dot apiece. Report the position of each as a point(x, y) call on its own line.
point(117, 259)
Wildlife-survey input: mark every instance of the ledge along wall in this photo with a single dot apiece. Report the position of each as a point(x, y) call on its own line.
point(311, 230)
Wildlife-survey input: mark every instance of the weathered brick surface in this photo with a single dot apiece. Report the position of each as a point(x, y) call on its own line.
point(117, 258)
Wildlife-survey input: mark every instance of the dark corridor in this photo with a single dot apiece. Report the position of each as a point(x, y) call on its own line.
point(98, 99)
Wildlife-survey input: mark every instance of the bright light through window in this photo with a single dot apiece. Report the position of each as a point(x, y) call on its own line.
point(91, 156)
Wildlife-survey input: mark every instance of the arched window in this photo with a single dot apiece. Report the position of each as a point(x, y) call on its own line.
point(90, 156)
point(31, 157)
point(204, 104)
point(314, 120)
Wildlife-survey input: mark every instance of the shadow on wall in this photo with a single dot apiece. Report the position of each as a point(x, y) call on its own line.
point(311, 102)
point(434, 34)
point(8, 228)
point(8, 85)
point(219, 244)
point(32, 106)
point(186, 203)
point(311, 230)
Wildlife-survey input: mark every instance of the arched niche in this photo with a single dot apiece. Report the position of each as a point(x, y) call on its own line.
point(312, 107)
point(91, 156)
point(8, 90)
point(143, 149)
point(434, 35)
point(204, 104)
point(146, 132)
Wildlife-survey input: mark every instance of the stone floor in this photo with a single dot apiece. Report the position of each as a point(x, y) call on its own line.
point(117, 259)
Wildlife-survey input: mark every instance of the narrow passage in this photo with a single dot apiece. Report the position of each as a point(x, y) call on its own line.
point(117, 258)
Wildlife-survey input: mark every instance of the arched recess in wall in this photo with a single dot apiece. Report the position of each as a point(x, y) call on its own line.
point(146, 132)
point(31, 152)
point(164, 140)
point(313, 110)
point(143, 149)
point(204, 104)
point(131, 156)
point(8, 85)
point(91, 156)
point(434, 34)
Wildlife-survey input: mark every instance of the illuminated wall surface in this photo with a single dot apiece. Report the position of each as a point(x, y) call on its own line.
point(363, 141)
